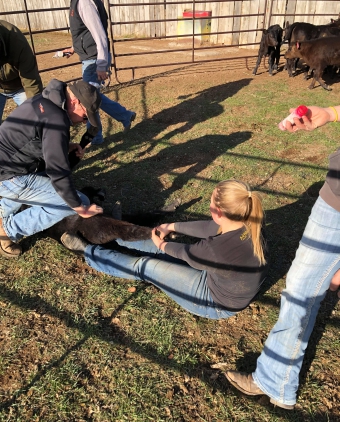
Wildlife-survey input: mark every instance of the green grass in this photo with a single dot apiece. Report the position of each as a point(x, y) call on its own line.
point(77, 345)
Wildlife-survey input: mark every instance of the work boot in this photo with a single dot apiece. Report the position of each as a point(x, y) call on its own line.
point(245, 383)
point(128, 127)
point(73, 242)
point(8, 248)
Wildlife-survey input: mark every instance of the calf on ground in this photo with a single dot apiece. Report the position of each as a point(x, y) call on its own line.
point(104, 228)
point(270, 46)
point(318, 54)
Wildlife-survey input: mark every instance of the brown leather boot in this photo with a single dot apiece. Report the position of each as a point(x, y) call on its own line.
point(8, 248)
point(245, 383)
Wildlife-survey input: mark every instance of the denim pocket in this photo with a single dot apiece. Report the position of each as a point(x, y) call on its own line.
point(11, 188)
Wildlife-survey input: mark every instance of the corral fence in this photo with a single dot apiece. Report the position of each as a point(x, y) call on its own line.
point(189, 27)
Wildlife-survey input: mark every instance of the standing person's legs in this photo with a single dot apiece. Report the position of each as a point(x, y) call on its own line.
point(185, 285)
point(112, 108)
point(316, 261)
point(46, 206)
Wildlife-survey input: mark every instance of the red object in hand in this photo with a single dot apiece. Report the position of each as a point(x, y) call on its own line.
point(300, 111)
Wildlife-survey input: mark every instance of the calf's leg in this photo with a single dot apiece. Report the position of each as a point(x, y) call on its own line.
point(257, 63)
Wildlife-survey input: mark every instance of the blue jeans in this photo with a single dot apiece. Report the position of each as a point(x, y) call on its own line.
point(317, 260)
point(185, 285)
point(47, 207)
point(110, 107)
point(18, 96)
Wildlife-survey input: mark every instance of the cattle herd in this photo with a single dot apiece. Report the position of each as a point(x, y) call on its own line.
point(317, 46)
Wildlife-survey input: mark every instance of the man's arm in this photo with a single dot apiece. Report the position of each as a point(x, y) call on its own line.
point(317, 116)
point(26, 64)
point(90, 16)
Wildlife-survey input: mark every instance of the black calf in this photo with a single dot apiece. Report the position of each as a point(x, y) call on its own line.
point(270, 46)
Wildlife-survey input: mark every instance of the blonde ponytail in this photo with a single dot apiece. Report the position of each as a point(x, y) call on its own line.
point(237, 202)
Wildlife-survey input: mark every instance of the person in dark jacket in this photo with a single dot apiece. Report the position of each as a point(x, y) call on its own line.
point(315, 269)
point(19, 75)
point(214, 278)
point(88, 25)
point(35, 138)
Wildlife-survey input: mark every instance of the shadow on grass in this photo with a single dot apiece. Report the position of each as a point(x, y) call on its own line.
point(192, 109)
point(247, 363)
point(141, 181)
point(104, 330)
point(284, 229)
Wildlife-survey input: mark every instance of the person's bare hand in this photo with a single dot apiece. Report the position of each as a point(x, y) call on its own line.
point(102, 76)
point(156, 239)
point(317, 116)
point(68, 52)
point(164, 230)
point(88, 211)
point(76, 147)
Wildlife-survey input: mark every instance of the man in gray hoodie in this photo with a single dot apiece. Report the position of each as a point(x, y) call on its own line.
point(88, 25)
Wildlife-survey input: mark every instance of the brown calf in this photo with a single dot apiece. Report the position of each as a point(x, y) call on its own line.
point(318, 54)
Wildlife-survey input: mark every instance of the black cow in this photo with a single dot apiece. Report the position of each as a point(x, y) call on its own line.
point(318, 54)
point(270, 46)
point(304, 31)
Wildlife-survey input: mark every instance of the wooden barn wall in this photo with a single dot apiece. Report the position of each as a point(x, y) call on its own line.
point(267, 12)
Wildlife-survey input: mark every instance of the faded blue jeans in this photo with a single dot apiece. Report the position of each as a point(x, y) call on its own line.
point(185, 285)
point(317, 260)
point(47, 207)
point(112, 108)
point(18, 96)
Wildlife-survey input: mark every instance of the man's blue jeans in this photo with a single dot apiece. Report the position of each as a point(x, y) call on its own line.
point(110, 107)
point(18, 96)
point(185, 285)
point(317, 260)
point(47, 207)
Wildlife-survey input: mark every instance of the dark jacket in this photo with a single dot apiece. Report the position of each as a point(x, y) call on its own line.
point(234, 274)
point(83, 42)
point(18, 65)
point(36, 136)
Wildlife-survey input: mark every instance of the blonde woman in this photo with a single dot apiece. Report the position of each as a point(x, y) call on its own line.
point(214, 278)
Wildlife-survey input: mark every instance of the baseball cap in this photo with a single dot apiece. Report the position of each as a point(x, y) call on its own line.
point(89, 97)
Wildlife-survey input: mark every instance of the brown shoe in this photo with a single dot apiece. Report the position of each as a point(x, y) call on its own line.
point(245, 383)
point(128, 127)
point(8, 248)
point(73, 242)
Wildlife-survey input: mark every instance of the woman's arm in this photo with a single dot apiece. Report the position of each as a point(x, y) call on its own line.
point(318, 116)
point(199, 229)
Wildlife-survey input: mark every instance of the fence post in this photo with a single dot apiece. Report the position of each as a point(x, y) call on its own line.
point(29, 26)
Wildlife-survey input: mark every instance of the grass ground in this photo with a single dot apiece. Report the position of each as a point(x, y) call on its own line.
point(76, 345)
